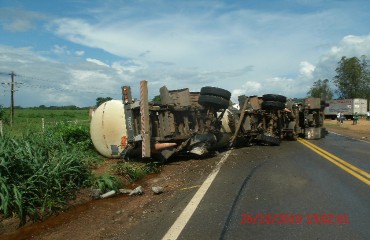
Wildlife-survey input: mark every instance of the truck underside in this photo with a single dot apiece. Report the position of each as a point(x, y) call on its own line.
point(200, 122)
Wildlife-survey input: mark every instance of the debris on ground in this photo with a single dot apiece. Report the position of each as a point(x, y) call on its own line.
point(137, 191)
point(108, 194)
point(95, 193)
point(125, 191)
point(157, 189)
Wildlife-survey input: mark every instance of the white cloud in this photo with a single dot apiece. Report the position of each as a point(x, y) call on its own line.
point(60, 50)
point(306, 69)
point(130, 66)
point(212, 48)
point(248, 51)
point(79, 53)
point(56, 82)
point(349, 46)
point(19, 20)
point(97, 62)
point(248, 88)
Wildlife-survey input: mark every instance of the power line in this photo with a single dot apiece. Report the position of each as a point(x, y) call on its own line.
point(98, 90)
point(31, 82)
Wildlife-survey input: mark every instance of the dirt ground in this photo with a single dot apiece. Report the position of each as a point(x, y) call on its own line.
point(359, 131)
point(107, 218)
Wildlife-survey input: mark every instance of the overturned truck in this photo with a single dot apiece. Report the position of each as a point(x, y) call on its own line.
point(198, 122)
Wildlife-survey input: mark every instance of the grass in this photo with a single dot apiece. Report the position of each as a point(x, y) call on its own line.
point(42, 169)
point(106, 182)
point(30, 118)
point(39, 174)
point(134, 171)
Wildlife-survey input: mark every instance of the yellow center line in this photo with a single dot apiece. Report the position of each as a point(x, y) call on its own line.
point(354, 171)
point(187, 188)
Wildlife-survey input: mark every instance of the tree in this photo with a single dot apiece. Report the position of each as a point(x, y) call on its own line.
point(101, 100)
point(157, 99)
point(353, 78)
point(321, 89)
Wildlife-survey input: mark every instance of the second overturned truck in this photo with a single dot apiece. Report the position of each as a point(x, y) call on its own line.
point(199, 122)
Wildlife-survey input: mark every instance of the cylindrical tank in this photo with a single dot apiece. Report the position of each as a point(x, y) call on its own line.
point(108, 128)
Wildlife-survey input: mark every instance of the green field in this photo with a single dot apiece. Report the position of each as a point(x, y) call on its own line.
point(31, 119)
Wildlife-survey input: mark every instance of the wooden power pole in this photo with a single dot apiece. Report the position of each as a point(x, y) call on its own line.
point(12, 74)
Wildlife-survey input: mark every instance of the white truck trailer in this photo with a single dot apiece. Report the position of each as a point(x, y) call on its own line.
point(347, 106)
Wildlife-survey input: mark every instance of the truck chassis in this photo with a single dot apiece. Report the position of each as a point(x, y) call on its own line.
point(200, 122)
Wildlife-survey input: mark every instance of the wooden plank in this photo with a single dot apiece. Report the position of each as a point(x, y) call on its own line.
point(144, 113)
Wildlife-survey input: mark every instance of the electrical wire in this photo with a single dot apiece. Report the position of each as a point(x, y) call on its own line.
point(55, 88)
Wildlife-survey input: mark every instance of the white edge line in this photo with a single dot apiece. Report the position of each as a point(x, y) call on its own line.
point(180, 223)
point(349, 137)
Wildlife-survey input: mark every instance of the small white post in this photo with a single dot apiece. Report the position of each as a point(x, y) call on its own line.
point(1, 128)
point(43, 124)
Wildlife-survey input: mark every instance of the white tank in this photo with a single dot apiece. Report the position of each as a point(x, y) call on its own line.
point(108, 129)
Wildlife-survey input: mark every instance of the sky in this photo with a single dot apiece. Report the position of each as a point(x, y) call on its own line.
point(71, 52)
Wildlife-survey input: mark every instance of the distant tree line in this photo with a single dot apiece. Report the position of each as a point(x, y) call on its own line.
point(43, 107)
point(68, 107)
point(352, 80)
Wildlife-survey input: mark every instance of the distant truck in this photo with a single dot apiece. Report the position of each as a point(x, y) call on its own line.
point(347, 106)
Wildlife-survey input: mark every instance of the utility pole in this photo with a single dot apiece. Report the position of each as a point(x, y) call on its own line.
point(12, 74)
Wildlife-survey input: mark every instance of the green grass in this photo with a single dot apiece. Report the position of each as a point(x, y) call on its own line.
point(134, 171)
point(41, 170)
point(29, 118)
point(106, 182)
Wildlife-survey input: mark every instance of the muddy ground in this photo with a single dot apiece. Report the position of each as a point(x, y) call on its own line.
point(107, 218)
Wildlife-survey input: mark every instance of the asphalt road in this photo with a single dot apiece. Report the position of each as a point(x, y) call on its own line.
point(285, 192)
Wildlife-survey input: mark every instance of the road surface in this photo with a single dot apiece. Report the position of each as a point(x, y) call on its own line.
point(300, 190)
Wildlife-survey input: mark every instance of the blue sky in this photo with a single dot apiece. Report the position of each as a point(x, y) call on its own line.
point(71, 52)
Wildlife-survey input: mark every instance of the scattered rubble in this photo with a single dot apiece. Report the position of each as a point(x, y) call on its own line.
point(95, 193)
point(137, 191)
point(108, 194)
point(125, 191)
point(157, 189)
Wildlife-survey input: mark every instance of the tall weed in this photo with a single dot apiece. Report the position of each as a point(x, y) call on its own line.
point(39, 173)
point(134, 171)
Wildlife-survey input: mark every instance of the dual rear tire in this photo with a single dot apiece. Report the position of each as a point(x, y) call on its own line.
point(273, 102)
point(216, 97)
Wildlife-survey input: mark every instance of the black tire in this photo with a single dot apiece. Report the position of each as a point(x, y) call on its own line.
point(218, 92)
point(274, 98)
point(270, 105)
point(269, 140)
point(207, 100)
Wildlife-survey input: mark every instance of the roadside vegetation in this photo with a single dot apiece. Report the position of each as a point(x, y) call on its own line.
point(41, 170)
point(352, 80)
